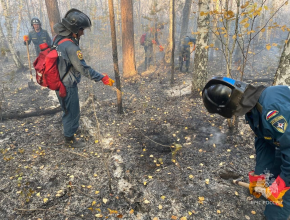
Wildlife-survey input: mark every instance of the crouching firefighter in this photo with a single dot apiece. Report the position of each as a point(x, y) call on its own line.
point(267, 111)
point(71, 66)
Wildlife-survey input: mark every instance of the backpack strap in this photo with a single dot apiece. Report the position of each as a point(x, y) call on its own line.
point(58, 43)
point(64, 40)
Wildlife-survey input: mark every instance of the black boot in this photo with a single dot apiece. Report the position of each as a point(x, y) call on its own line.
point(187, 69)
point(145, 63)
point(73, 143)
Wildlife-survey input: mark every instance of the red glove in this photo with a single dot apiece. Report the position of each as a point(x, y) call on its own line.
point(154, 42)
point(107, 80)
point(256, 180)
point(161, 48)
point(276, 191)
point(25, 37)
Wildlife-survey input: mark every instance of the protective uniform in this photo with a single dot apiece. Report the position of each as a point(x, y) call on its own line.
point(38, 37)
point(267, 110)
point(71, 66)
point(184, 54)
point(151, 38)
point(272, 142)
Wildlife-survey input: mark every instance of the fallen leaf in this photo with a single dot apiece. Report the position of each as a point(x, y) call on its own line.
point(146, 201)
point(45, 200)
point(207, 181)
point(183, 218)
point(253, 212)
point(218, 211)
point(131, 211)
point(173, 217)
point(236, 193)
point(105, 200)
point(119, 216)
point(99, 215)
point(252, 156)
point(93, 203)
point(113, 211)
point(191, 176)
point(97, 192)
point(163, 197)
point(160, 206)
point(200, 200)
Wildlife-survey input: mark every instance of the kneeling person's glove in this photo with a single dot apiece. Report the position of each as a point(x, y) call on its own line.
point(107, 80)
point(275, 192)
point(256, 180)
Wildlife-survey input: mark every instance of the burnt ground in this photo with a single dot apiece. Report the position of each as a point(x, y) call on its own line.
point(164, 158)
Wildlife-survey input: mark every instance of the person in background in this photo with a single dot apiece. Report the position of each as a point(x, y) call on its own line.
point(152, 38)
point(72, 66)
point(185, 51)
point(37, 35)
point(267, 111)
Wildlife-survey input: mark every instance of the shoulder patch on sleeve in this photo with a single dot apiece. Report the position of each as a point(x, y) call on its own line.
point(271, 114)
point(279, 123)
point(80, 55)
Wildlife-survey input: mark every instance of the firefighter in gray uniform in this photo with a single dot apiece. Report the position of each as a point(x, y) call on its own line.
point(38, 35)
point(185, 52)
point(72, 66)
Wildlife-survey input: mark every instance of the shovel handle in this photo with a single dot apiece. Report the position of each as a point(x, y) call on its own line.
point(29, 63)
point(246, 185)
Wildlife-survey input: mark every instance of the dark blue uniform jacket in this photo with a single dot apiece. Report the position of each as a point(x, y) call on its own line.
point(270, 125)
point(71, 60)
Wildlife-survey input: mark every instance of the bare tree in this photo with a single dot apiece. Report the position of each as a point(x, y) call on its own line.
point(172, 38)
point(201, 52)
point(9, 26)
point(185, 18)
point(129, 66)
point(282, 76)
point(115, 55)
point(53, 13)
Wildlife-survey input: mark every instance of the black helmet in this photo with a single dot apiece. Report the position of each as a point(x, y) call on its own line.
point(74, 20)
point(160, 26)
point(35, 21)
point(222, 95)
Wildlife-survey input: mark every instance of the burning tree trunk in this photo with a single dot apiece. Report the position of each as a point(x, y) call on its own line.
point(9, 26)
point(201, 53)
point(115, 56)
point(282, 76)
point(129, 67)
point(53, 13)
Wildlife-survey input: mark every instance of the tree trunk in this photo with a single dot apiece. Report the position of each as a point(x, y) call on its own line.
point(8, 25)
point(115, 56)
point(129, 67)
point(185, 19)
point(201, 53)
point(28, 11)
point(31, 113)
point(53, 14)
point(282, 76)
point(172, 38)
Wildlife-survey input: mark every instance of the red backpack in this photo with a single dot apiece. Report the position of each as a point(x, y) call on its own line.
point(45, 65)
point(142, 39)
